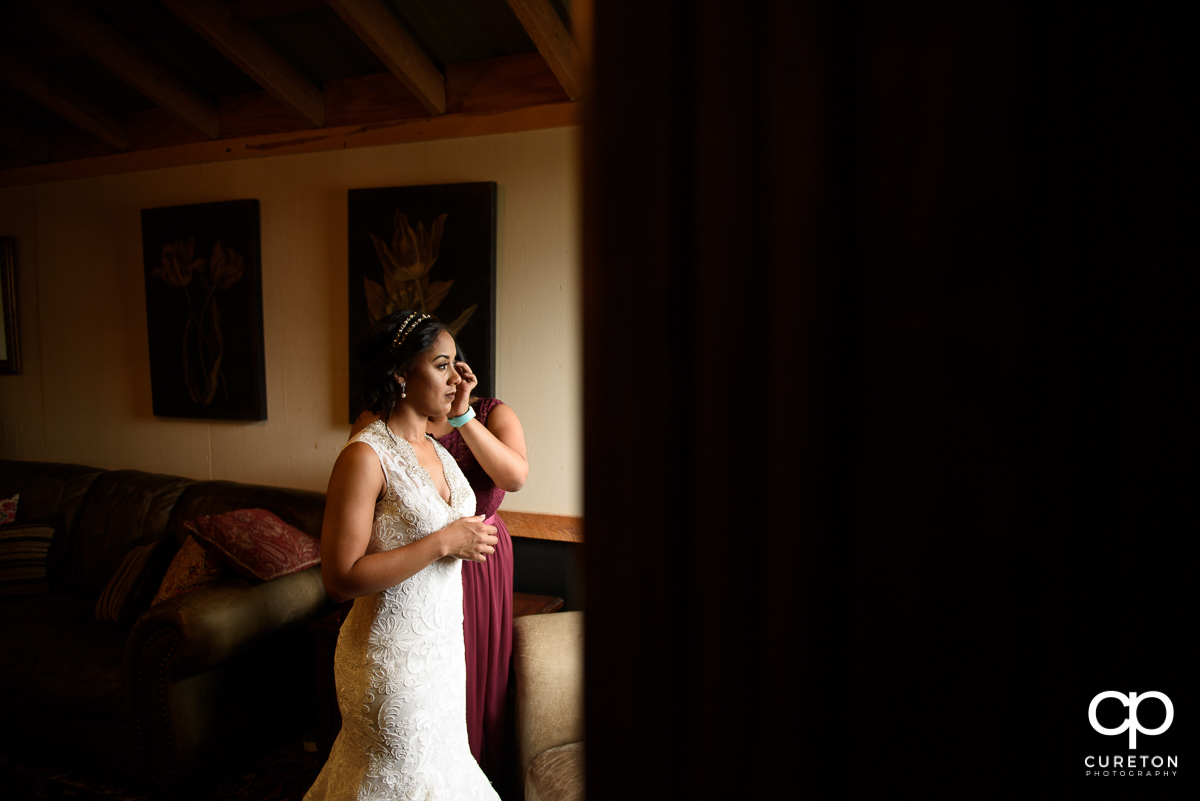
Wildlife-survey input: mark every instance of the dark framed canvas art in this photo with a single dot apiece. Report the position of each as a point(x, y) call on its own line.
point(10, 346)
point(204, 310)
point(430, 249)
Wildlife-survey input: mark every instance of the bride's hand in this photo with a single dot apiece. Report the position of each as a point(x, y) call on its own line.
point(470, 539)
point(462, 401)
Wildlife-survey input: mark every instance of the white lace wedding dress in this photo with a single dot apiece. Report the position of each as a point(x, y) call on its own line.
point(400, 665)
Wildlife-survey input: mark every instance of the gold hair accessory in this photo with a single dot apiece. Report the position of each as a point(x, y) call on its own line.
point(406, 329)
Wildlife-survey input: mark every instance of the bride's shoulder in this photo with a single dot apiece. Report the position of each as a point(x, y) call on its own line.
point(370, 434)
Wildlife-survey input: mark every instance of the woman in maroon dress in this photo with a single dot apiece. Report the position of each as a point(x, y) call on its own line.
point(487, 441)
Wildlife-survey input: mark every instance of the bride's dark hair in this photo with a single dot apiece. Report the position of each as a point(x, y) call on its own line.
point(388, 347)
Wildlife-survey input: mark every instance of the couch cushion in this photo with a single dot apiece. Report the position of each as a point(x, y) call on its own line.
point(24, 556)
point(556, 774)
point(79, 668)
point(28, 623)
point(46, 488)
point(122, 508)
point(547, 653)
point(256, 543)
point(303, 509)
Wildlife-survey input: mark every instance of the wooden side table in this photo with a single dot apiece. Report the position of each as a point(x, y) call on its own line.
point(325, 631)
point(525, 603)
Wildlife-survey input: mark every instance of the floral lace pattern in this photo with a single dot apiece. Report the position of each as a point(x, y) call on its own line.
point(400, 665)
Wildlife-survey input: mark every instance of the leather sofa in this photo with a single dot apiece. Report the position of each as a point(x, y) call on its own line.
point(169, 686)
point(548, 678)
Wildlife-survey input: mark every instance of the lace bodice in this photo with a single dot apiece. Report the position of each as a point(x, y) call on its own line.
point(411, 507)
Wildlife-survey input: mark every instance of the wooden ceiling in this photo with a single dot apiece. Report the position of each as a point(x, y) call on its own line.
point(92, 87)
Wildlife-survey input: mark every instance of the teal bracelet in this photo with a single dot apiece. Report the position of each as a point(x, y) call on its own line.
point(462, 419)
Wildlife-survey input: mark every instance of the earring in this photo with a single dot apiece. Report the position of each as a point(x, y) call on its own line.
point(402, 387)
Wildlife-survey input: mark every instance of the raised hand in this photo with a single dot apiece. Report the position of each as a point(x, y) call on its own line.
point(462, 401)
point(470, 539)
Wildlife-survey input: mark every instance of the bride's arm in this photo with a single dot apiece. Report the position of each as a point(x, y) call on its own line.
point(346, 568)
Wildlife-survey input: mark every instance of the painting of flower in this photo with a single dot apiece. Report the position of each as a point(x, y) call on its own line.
point(406, 260)
point(203, 347)
point(204, 310)
point(430, 249)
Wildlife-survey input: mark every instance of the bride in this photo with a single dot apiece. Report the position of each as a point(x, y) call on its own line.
point(398, 521)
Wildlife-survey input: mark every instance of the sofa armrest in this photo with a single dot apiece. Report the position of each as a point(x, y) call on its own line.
point(180, 659)
point(202, 628)
point(548, 674)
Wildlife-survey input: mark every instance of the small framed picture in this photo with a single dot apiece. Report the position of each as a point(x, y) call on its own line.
point(10, 343)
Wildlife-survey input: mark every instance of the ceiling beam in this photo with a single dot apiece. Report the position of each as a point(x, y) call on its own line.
point(63, 101)
point(553, 41)
point(265, 9)
point(242, 45)
point(137, 19)
point(425, 129)
point(388, 40)
point(110, 48)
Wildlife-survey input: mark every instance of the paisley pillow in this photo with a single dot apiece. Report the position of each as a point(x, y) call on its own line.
point(256, 543)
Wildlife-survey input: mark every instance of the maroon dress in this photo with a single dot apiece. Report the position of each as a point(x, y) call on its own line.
point(487, 614)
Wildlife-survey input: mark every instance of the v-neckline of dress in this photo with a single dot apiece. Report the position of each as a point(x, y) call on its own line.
point(412, 452)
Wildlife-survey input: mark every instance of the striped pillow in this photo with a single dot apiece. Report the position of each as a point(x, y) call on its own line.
point(24, 551)
point(118, 589)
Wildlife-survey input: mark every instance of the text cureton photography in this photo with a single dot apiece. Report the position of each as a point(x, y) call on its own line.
point(1113, 707)
point(1131, 765)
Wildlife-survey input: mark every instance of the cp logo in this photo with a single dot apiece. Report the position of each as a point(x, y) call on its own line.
point(1131, 722)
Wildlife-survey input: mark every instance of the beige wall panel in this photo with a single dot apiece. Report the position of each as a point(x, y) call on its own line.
point(93, 320)
point(87, 358)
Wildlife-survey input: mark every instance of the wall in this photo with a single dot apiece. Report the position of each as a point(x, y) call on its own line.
point(84, 395)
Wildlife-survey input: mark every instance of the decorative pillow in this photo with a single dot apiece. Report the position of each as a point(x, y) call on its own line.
point(192, 568)
point(256, 543)
point(8, 509)
point(119, 587)
point(24, 552)
point(144, 590)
